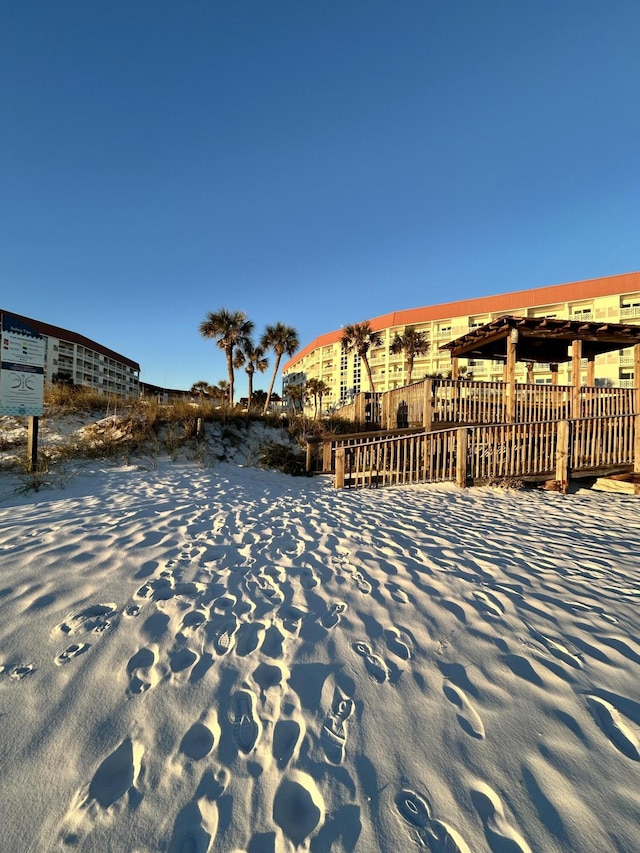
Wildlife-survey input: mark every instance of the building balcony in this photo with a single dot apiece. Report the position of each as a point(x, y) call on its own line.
point(587, 316)
point(630, 311)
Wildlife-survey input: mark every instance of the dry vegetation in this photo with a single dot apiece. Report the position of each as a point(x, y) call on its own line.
point(80, 425)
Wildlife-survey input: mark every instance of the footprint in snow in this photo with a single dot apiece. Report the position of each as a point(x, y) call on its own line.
point(468, 717)
point(331, 618)
point(374, 663)
point(71, 652)
point(244, 720)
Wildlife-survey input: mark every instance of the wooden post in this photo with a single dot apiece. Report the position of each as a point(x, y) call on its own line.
point(636, 443)
point(554, 373)
point(32, 443)
point(312, 443)
point(388, 414)
point(576, 358)
point(339, 480)
point(636, 379)
point(510, 378)
point(591, 370)
point(461, 457)
point(529, 373)
point(427, 405)
point(562, 456)
point(326, 457)
point(455, 367)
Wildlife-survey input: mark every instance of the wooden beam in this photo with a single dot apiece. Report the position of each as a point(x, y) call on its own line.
point(636, 378)
point(591, 370)
point(477, 343)
point(510, 376)
point(32, 443)
point(576, 358)
point(339, 479)
point(455, 366)
point(461, 457)
point(427, 405)
point(562, 456)
point(326, 457)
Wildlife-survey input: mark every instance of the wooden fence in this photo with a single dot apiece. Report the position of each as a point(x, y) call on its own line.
point(437, 402)
point(485, 453)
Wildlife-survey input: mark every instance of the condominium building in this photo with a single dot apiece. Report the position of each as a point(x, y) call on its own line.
point(72, 358)
point(614, 299)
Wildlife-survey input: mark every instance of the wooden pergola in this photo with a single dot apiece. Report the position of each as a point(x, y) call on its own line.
point(544, 340)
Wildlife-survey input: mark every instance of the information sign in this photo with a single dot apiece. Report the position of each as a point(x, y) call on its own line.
point(22, 368)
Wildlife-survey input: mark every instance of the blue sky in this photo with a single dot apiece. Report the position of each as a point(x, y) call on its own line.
point(313, 162)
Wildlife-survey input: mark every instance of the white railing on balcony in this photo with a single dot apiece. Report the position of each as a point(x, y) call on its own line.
point(586, 316)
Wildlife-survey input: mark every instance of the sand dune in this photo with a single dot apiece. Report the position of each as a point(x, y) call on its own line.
point(230, 659)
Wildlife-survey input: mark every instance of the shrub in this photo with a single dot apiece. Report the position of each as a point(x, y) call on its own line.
point(282, 457)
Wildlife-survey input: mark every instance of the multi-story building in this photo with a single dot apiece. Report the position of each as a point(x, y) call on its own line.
point(72, 358)
point(614, 299)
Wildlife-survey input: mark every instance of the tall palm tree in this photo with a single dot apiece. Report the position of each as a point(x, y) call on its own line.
point(412, 343)
point(253, 358)
point(281, 339)
point(317, 388)
point(231, 329)
point(359, 338)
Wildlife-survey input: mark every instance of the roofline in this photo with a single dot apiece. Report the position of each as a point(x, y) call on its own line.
point(73, 337)
point(517, 299)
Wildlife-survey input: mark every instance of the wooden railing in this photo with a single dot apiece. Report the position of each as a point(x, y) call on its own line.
point(434, 402)
point(321, 453)
point(603, 442)
point(365, 408)
point(420, 457)
point(405, 407)
point(505, 451)
point(457, 401)
point(496, 452)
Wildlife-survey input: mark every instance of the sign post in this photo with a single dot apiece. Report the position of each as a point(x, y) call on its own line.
point(22, 376)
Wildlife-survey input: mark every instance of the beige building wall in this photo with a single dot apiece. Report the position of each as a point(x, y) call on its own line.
point(88, 367)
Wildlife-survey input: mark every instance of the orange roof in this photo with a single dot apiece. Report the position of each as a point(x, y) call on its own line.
point(507, 302)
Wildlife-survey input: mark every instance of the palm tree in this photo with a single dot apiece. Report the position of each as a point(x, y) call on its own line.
point(201, 388)
point(412, 343)
point(295, 394)
point(220, 392)
point(317, 388)
point(253, 358)
point(281, 339)
point(360, 337)
point(232, 329)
